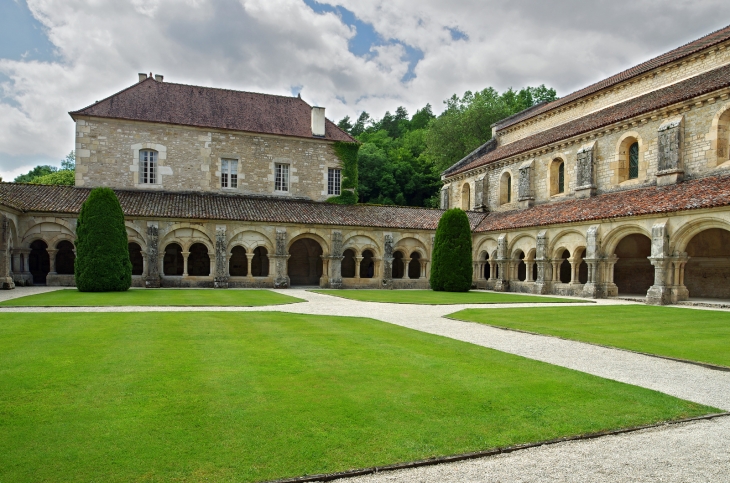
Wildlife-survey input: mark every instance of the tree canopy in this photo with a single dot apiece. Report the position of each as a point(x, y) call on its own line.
point(47, 174)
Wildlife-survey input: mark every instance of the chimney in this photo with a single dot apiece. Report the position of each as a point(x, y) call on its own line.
point(159, 77)
point(142, 76)
point(318, 121)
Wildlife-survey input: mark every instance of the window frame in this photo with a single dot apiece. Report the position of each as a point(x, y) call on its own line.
point(633, 161)
point(148, 166)
point(281, 177)
point(561, 177)
point(334, 181)
point(229, 173)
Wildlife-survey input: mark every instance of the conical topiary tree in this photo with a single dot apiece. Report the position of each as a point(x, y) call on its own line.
point(451, 267)
point(102, 254)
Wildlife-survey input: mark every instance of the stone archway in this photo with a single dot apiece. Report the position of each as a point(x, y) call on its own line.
point(260, 262)
point(707, 273)
point(198, 261)
point(65, 258)
point(565, 270)
point(414, 267)
point(633, 272)
point(39, 263)
point(238, 263)
point(305, 262)
point(367, 265)
point(135, 257)
point(348, 264)
point(173, 263)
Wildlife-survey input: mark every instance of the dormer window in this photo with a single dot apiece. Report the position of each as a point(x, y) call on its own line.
point(229, 173)
point(148, 166)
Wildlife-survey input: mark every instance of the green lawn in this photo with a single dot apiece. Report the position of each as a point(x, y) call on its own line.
point(430, 297)
point(120, 397)
point(154, 297)
point(696, 335)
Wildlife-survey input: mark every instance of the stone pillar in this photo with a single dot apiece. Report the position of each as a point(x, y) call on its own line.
point(281, 278)
point(528, 269)
point(593, 288)
point(388, 261)
point(336, 257)
point(185, 263)
point(144, 264)
point(6, 281)
point(491, 270)
point(502, 284)
point(152, 279)
point(424, 264)
point(543, 284)
point(610, 289)
point(574, 264)
point(679, 291)
point(358, 261)
point(221, 258)
point(406, 265)
point(249, 266)
point(52, 258)
point(661, 292)
point(556, 270)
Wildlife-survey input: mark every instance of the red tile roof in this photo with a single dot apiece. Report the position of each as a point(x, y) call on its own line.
point(224, 207)
point(686, 50)
point(695, 194)
point(169, 103)
point(682, 91)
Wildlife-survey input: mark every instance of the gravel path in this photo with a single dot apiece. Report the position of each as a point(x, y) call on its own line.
point(698, 451)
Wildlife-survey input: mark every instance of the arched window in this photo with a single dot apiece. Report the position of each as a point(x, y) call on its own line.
point(505, 189)
point(238, 264)
point(466, 197)
point(348, 264)
point(397, 265)
point(65, 258)
point(723, 137)
point(557, 177)
point(414, 268)
point(173, 263)
point(367, 265)
point(147, 166)
point(561, 178)
point(135, 256)
point(634, 161)
point(198, 261)
point(260, 262)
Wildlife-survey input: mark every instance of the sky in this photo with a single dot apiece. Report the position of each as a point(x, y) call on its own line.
point(58, 56)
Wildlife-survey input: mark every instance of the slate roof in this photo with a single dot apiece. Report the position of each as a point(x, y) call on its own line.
point(224, 207)
point(702, 84)
point(695, 194)
point(686, 50)
point(186, 105)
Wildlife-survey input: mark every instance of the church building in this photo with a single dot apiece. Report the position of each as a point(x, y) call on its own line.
point(620, 188)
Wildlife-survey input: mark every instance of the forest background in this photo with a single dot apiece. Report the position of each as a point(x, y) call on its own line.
point(401, 157)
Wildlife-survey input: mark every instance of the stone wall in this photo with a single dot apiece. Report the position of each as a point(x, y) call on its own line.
point(664, 76)
point(107, 154)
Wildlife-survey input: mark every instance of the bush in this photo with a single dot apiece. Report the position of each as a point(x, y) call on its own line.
point(102, 255)
point(451, 268)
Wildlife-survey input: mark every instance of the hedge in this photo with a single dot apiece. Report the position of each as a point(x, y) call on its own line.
point(102, 254)
point(451, 268)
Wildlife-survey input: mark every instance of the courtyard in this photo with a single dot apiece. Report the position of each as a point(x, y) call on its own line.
point(208, 390)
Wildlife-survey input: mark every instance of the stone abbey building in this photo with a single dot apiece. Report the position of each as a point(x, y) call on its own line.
point(622, 187)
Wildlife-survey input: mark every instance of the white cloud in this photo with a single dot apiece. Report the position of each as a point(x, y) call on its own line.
point(274, 45)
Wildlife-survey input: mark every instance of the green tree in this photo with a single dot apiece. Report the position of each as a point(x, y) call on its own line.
point(451, 268)
point(50, 174)
point(102, 254)
point(62, 177)
point(34, 173)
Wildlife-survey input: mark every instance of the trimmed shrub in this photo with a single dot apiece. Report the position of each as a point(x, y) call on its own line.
point(451, 268)
point(102, 253)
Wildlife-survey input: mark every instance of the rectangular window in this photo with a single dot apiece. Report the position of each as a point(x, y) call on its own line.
point(148, 167)
point(281, 177)
point(229, 173)
point(333, 181)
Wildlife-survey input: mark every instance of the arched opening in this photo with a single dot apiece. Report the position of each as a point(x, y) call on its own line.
point(582, 267)
point(198, 261)
point(260, 262)
point(521, 267)
point(505, 189)
point(723, 137)
point(633, 272)
point(534, 271)
point(367, 265)
point(557, 177)
point(397, 265)
point(305, 262)
point(65, 257)
point(238, 263)
point(414, 268)
point(348, 264)
point(565, 268)
point(39, 263)
point(135, 256)
point(173, 263)
point(628, 159)
point(707, 273)
point(466, 197)
point(487, 267)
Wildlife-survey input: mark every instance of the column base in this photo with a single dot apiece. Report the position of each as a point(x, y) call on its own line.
point(220, 282)
point(7, 283)
point(542, 288)
point(152, 282)
point(501, 286)
point(387, 284)
point(282, 282)
point(659, 295)
point(592, 290)
point(679, 294)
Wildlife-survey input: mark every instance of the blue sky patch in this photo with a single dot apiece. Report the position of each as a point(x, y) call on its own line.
point(22, 37)
point(366, 37)
point(457, 34)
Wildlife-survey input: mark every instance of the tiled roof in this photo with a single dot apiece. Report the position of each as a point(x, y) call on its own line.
point(682, 91)
point(224, 207)
point(708, 192)
point(688, 49)
point(166, 102)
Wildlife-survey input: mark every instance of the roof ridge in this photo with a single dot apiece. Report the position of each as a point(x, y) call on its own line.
point(596, 86)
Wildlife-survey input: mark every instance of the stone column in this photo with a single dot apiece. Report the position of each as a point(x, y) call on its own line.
point(679, 291)
point(281, 278)
point(502, 284)
point(249, 266)
point(358, 261)
point(556, 270)
point(336, 257)
point(423, 269)
point(6, 281)
point(660, 293)
point(144, 264)
point(221, 258)
point(593, 288)
point(610, 289)
point(528, 268)
point(185, 263)
point(574, 267)
point(388, 262)
point(406, 265)
point(152, 279)
point(52, 258)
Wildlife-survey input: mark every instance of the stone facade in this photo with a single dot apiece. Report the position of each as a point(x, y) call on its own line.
point(189, 158)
